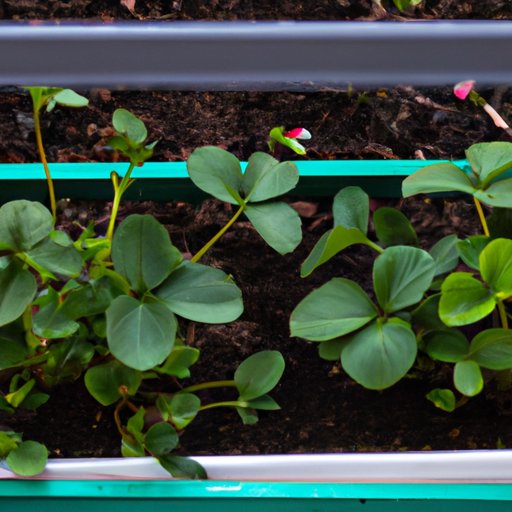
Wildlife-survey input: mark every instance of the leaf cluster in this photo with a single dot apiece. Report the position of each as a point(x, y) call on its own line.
point(111, 309)
point(420, 299)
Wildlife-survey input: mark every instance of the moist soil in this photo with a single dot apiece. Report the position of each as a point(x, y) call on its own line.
point(323, 410)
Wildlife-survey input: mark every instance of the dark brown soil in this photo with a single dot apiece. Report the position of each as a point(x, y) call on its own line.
point(322, 409)
point(249, 10)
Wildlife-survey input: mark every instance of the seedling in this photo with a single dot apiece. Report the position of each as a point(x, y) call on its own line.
point(288, 139)
point(422, 298)
point(254, 191)
point(466, 89)
point(111, 308)
point(49, 97)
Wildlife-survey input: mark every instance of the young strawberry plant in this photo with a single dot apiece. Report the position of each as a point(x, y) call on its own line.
point(422, 298)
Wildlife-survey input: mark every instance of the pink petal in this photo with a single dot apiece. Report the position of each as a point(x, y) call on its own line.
point(297, 133)
point(462, 89)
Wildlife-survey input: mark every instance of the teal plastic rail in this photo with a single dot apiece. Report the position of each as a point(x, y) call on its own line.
point(166, 181)
point(219, 496)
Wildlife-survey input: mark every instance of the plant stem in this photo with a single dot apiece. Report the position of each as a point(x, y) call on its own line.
point(209, 385)
point(207, 247)
point(119, 190)
point(42, 156)
point(481, 216)
point(376, 247)
point(233, 403)
point(503, 314)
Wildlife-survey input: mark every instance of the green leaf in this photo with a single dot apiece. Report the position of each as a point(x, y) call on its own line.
point(23, 224)
point(201, 293)
point(381, 354)
point(28, 459)
point(67, 360)
point(12, 350)
point(136, 423)
point(56, 258)
point(337, 308)
point(464, 300)
point(16, 398)
point(496, 266)
point(426, 315)
point(401, 275)
point(445, 254)
point(392, 227)
point(139, 334)
point(444, 177)
point(470, 248)
point(142, 252)
point(131, 447)
point(277, 135)
point(52, 321)
point(179, 361)
point(216, 172)
point(248, 416)
point(17, 289)
point(182, 467)
point(330, 350)
point(498, 194)
point(161, 439)
point(8, 442)
point(105, 380)
point(277, 223)
point(93, 298)
point(259, 374)
point(131, 126)
point(69, 98)
point(330, 244)
point(492, 349)
point(449, 346)
point(265, 177)
point(351, 209)
point(443, 399)
point(489, 159)
point(467, 378)
point(263, 403)
point(182, 408)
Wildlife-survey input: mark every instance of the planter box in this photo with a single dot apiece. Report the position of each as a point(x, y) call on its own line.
point(234, 56)
point(167, 181)
point(437, 481)
point(463, 481)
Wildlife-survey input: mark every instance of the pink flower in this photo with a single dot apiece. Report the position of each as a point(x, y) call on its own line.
point(462, 89)
point(298, 133)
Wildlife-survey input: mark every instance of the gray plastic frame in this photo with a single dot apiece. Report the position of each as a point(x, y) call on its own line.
point(255, 55)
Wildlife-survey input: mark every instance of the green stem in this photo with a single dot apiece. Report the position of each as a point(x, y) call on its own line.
point(209, 385)
point(503, 314)
point(376, 247)
point(119, 190)
point(207, 247)
point(42, 156)
point(481, 216)
point(233, 403)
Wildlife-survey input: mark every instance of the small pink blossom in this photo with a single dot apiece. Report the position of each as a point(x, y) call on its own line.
point(462, 89)
point(298, 133)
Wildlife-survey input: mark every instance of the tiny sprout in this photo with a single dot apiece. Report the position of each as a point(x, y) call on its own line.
point(466, 89)
point(462, 89)
point(288, 139)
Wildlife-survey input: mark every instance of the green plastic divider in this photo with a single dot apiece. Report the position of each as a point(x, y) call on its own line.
point(165, 181)
point(216, 496)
